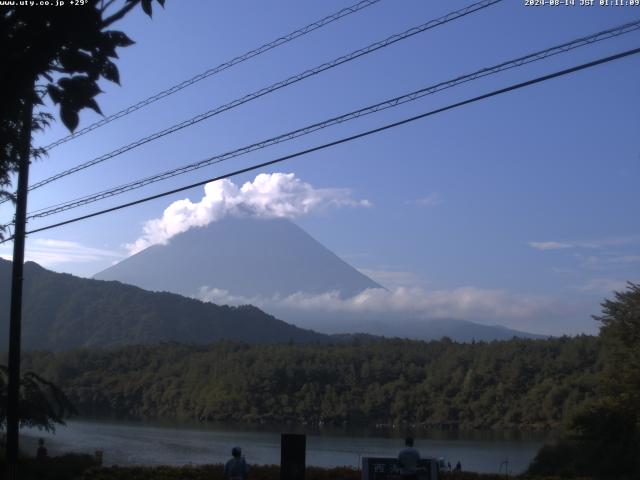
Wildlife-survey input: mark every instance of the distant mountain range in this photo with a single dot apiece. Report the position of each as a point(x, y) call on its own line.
point(255, 259)
point(61, 311)
point(457, 330)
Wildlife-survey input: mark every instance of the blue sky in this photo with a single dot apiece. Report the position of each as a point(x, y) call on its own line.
point(530, 195)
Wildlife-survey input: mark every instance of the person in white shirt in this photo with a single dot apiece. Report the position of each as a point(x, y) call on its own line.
point(409, 458)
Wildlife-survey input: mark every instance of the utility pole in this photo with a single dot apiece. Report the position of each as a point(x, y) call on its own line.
point(15, 323)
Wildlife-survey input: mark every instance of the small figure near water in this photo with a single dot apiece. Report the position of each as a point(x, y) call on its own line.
point(41, 453)
point(236, 468)
point(409, 458)
point(458, 466)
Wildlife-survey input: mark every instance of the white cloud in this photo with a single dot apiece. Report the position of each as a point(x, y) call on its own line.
point(549, 245)
point(410, 302)
point(430, 200)
point(626, 259)
point(564, 270)
point(221, 296)
point(610, 262)
point(610, 259)
point(392, 278)
point(276, 195)
point(48, 252)
point(598, 243)
point(603, 285)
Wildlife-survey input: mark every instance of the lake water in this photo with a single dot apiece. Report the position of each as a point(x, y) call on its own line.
point(125, 443)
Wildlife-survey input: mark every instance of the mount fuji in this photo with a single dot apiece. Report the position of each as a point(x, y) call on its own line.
point(246, 260)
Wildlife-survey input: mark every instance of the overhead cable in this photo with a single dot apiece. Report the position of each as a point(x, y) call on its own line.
point(213, 71)
point(367, 133)
point(276, 86)
point(524, 60)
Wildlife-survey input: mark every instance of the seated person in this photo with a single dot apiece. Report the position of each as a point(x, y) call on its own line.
point(409, 458)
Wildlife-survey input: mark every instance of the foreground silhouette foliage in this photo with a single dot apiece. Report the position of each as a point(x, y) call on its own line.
point(64, 467)
point(603, 438)
point(211, 472)
point(85, 467)
point(61, 53)
point(261, 472)
point(517, 383)
point(42, 404)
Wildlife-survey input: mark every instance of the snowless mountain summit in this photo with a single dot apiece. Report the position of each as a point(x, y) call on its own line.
point(247, 257)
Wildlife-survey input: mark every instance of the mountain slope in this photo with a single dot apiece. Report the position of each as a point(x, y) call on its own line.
point(61, 311)
point(264, 261)
point(247, 257)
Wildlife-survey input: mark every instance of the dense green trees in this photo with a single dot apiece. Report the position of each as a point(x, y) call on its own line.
point(518, 383)
point(620, 333)
point(603, 438)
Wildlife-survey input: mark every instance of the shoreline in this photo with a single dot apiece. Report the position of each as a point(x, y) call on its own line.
point(153, 445)
point(398, 430)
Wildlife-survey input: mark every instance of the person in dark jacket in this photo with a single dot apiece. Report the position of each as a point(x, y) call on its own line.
point(236, 468)
point(41, 453)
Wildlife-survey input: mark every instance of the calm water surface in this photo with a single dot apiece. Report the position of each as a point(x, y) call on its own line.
point(126, 443)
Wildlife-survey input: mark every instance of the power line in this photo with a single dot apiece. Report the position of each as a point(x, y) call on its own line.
point(213, 71)
point(524, 60)
point(345, 139)
point(276, 86)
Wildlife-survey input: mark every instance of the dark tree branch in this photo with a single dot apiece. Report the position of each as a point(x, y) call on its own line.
point(105, 7)
point(120, 13)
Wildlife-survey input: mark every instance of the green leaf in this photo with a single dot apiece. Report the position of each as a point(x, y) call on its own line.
point(93, 105)
point(55, 93)
point(76, 61)
point(69, 117)
point(110, 72)
point(107, 45)
point(119, 39)
point(78, 87)
point(36, 99)
point(146, 6)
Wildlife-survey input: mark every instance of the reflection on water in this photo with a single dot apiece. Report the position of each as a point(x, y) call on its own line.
point(125, 443)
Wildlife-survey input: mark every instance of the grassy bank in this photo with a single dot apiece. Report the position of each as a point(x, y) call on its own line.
point(84, 467)
point(263, 472)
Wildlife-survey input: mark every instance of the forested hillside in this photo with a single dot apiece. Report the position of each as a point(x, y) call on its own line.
point(62, 312)
point(517, 383)
point(602, 438)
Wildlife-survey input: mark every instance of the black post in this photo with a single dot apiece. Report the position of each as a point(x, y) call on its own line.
point(13, 422)
point(293, 449)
